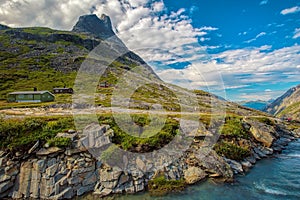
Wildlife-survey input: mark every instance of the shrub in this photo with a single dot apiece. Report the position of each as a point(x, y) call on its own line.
point(21, 134)
point(161, 186)
point(231, 151)
point(156, 139)
point(234, 127)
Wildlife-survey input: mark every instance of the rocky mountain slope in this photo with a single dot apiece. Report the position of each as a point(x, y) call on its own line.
point(45, 58)
point(287, 105)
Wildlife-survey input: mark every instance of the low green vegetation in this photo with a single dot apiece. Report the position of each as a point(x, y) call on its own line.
point(231, 150)
point(59, 142)
point(156, 94)
point(148, 140)
point(21, 134)
point(290, 110)
point(160, 186)
point(233, 127)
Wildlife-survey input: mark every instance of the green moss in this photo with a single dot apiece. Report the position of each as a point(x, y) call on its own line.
point(234, 127)
point(22, 133)
point(231, 151)
point(202, 93)
point(153, 139)
point(160, 186)
point(59, 142)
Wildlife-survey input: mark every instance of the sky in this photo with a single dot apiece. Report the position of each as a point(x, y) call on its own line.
point(238, 49)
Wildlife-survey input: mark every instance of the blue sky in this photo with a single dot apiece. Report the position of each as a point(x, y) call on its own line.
point(245, 25)
point(238, 49)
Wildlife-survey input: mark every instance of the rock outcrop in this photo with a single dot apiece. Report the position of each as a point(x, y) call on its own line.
point(98, 27)
point(262, 133)
point(193, 175)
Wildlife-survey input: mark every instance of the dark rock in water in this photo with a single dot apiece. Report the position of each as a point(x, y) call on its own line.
point(91, 24)
point(235, 166)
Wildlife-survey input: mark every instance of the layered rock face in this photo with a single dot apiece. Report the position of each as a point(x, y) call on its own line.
point(98, 27)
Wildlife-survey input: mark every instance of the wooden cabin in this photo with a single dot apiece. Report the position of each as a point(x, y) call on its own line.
point(63, 90)
point(31, 96)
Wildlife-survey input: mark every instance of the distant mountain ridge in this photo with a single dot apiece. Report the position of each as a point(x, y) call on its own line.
point(257, 105)
point(286, 105)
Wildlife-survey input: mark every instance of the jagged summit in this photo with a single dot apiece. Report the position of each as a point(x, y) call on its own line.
point(98, 27)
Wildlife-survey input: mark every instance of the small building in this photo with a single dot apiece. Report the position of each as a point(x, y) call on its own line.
point(104, 85)
point(31, 96)
point(63, 90)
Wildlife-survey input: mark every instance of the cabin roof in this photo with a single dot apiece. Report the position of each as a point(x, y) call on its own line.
point(62, 88)
point(32, 92)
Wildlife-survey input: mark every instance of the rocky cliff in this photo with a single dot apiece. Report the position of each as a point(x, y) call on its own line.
point(92, 25)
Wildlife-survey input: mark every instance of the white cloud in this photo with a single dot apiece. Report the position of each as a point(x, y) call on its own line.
point(203, 39)
point(60, 14)
point(208, 28)
point(290, 10)
point(264, 96)
point(158, 6)
point(296, 33)
point(264, 2)
point(256, 37)
point(243, 33)
point(241, 68)
point(236, 86)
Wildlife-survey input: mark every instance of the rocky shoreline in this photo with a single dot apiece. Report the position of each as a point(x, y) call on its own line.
point(55, 173)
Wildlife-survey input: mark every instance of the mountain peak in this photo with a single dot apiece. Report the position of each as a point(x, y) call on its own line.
point(93, 25)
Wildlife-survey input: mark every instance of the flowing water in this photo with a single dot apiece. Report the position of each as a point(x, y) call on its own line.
point(271, 178)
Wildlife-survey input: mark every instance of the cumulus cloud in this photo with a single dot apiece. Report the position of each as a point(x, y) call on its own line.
point(296, 33)
point(153, 33)
point(290, 10)
point(241, 68)
point(60, 14)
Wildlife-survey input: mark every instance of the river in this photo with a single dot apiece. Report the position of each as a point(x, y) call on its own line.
point(272, 178)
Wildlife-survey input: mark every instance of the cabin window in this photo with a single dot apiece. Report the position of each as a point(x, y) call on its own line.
point(21, 96)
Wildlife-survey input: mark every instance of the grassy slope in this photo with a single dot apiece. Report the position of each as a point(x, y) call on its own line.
point(27, 63)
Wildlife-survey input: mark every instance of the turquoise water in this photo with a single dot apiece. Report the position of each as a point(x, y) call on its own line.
point(272, 178)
